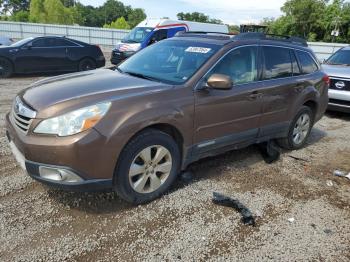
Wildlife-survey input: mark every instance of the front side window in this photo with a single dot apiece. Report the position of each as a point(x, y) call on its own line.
point(170, 61)
point(41, 42)
point(240, 64)
point(308, 65)
point(278, 62)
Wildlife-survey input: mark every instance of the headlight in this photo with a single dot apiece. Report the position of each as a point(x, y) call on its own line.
point(73, 122)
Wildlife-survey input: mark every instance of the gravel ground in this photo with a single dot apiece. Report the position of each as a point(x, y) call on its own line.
point(41, 224)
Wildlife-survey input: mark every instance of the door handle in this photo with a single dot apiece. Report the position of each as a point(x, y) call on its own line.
point(254, 95)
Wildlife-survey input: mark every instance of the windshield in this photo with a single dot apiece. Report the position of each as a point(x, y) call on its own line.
point(341, 57)
point(137, 35)
point(169, 61)
point(22, 42)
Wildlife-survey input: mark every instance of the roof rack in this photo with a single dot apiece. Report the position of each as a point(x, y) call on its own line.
point(212, 35)
point(280, 38)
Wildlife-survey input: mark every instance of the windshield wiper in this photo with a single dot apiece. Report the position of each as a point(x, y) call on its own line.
point(118, 69)
point(143, 76)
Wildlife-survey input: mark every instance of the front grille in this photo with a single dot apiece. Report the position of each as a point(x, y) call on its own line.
point(340, 84)
point(22, 122)
point(21, 115)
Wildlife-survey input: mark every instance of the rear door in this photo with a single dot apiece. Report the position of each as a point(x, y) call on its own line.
point(67, 52)
point(280, 90)
point(229, 117)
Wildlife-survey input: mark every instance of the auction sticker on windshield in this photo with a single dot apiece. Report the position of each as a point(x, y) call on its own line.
point(201, 50)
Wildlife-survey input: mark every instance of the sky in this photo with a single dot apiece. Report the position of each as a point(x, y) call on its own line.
point(229, 11)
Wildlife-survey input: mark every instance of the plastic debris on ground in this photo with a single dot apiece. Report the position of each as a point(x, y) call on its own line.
point(247, 216)
point(341, 174)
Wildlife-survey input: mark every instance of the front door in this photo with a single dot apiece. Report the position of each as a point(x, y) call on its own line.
point(228, 117)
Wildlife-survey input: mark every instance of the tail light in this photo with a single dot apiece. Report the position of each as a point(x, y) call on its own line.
point(327, 80)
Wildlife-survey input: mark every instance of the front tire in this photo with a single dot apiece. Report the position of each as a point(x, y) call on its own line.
point(299, 130)
point(6, 68)
point(147, 167)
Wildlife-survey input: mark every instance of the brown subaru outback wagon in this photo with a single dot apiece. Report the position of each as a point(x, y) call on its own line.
point(133, 129)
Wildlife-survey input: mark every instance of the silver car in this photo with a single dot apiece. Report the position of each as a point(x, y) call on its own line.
point(338, 69)
point(5, 41)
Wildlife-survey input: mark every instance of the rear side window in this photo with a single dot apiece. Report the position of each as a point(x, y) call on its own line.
point(308, 65)
point(239, 64)
point(278, 62)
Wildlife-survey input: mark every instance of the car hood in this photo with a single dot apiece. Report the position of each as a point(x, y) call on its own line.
point(337, 70)
point(57, 95)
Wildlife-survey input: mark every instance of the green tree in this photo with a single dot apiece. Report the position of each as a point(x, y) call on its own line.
point(37, 13)
point(13, 6)
point(50, 11)
point(197, 17)
point(112, 10)
point(120, 23)
point(135, 16)
point(20, 16)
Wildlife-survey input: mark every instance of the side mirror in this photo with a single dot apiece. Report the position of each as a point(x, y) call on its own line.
point(220, 81)
point(28, 46)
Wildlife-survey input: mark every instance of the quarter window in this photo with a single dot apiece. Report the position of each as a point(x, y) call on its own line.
point(308, 65)
point(296, 69)
point(277, 62)
point(239, 64)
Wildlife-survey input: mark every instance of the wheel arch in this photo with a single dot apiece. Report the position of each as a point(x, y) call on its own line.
point(11, 62)
point(312, 104)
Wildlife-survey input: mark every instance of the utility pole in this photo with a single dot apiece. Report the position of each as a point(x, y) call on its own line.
point(335, 31)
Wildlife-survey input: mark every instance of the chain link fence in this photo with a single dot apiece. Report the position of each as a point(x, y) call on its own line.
point(91, 35)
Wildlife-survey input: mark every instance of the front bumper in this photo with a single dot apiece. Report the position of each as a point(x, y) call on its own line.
point(91, 185)
point(118, 56)
point(339, 100)
point(81, 154)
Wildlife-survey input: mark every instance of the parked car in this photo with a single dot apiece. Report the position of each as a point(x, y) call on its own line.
point(133, 129)
point(49, 54)
point(151, 31)
point(5, 41)
point(338, 69)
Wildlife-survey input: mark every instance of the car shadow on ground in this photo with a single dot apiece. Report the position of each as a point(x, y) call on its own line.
point(109, 202)
point(315, 136)
point(339, 115)
point(204, 169)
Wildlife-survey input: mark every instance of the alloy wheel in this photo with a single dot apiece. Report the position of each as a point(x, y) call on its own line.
point(301, 129)
point(150, 169)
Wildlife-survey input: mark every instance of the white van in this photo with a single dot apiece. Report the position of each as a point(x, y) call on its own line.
point(150, 31)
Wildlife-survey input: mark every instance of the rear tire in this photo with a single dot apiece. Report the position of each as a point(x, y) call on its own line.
point(299, 130)
point(147, 167)
point(87, 64)
point(6, 68)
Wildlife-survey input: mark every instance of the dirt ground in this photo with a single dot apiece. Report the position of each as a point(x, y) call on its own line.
point(41, 224)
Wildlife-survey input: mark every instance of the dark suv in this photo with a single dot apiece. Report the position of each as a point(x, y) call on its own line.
point(189, 97)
